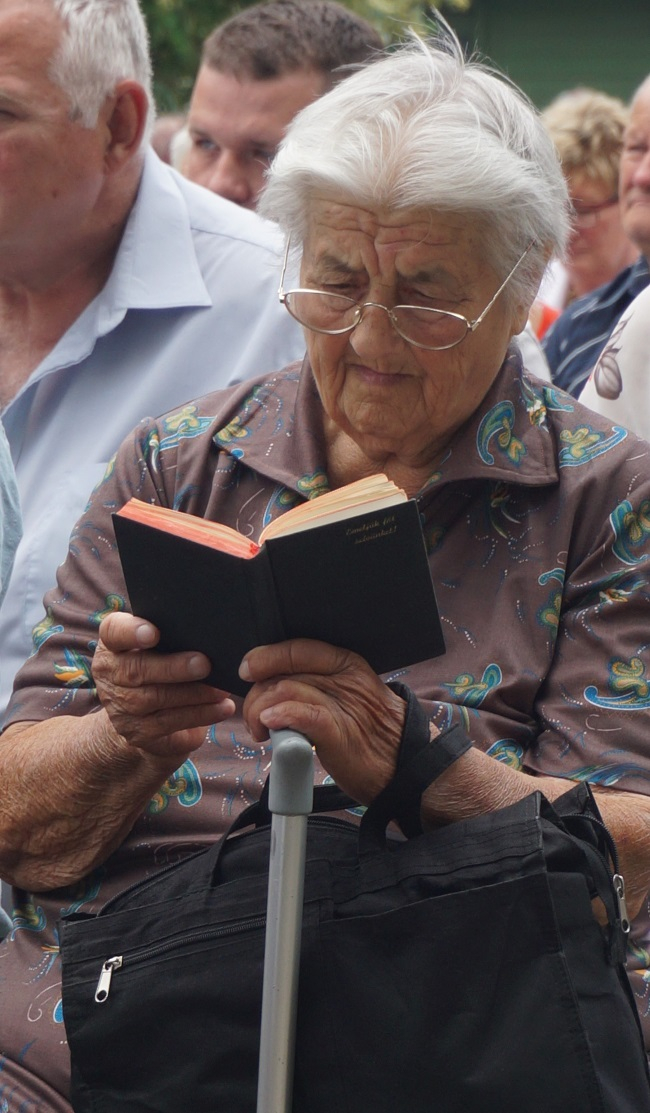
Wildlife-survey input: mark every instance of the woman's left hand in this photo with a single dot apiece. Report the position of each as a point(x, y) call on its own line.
point(335, 699)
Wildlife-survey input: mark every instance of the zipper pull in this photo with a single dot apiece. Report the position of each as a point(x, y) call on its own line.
point(619, 888)
point(104, 983)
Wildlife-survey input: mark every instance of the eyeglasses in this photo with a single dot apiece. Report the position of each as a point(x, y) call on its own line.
point(587, 215)
point(334, 314)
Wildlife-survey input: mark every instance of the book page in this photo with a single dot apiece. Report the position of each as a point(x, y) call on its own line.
point(204, 532)
point(365, 496)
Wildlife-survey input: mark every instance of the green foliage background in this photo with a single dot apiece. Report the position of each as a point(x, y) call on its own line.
point(178, 27)
point(534, 43)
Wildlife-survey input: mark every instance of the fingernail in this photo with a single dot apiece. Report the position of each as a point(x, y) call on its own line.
point(198, 666)
point(244, 670)
point(145, 634)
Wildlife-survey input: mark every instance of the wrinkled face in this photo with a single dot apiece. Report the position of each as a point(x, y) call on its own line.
point(598, 248)
point(635, 173)
point(51, 169)
point(235, 128)
point(389, 396)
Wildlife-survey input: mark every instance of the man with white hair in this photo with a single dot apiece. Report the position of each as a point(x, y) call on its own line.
point(124, 289)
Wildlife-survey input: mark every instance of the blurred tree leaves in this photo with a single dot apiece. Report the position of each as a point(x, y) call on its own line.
point(176, 29)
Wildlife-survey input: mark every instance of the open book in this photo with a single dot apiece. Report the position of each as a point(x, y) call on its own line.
point(349, 567)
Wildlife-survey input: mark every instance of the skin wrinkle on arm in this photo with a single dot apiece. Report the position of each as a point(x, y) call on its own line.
point(92, 776)
point(478, 783)
point(112, 784)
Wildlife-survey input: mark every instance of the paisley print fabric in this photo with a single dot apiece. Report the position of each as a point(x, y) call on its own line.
point(538, 527)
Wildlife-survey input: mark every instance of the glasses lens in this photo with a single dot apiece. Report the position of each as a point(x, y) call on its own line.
point(429, 328)
point(587, 215)
point(585, 218)
point(320, 311)
point(334, 313)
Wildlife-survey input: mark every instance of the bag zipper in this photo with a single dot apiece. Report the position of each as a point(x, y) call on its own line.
point(116, 962)
point(619, 889)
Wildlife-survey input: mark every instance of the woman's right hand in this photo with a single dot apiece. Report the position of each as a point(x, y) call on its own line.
point(74, 785)
point(155, 701)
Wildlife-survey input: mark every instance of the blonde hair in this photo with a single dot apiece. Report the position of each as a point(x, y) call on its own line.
point(587, 128)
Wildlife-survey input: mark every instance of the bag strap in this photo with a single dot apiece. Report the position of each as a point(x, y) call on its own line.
point(420, 761)
point(327, 798)
point(579, 815)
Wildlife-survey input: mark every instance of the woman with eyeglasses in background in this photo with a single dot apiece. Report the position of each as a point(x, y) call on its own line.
point(587, 127)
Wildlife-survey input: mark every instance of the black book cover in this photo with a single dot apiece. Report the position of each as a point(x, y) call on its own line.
point(362, 583)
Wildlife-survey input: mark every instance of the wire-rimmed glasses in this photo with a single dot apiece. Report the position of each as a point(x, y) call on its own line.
point(334, 314)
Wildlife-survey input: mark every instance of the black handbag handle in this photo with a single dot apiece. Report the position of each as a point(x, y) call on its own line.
point(401, 798)
point(420, 761)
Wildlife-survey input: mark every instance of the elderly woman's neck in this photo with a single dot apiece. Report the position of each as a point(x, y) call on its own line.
point(347, 462)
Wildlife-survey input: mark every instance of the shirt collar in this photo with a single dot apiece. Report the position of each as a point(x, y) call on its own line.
point(508, 439)
point(155, 268)
point(156, 265)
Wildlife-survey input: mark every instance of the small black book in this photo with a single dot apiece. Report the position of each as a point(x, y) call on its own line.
point(356, 580)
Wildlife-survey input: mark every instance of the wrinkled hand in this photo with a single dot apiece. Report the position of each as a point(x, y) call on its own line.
point(155, 701)
point(335, 699)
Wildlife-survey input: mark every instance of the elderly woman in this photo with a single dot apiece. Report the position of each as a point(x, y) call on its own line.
point(421, 200)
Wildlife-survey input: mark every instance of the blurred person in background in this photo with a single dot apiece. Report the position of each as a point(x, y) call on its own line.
point(258, 69)
point(574, 342)
point(587, 128)
point(10, 523)
point(10, 530)
point(619, 386)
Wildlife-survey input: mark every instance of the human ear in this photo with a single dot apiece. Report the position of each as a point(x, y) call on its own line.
point(126, 115)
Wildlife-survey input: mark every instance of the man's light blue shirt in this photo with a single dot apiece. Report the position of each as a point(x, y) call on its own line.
point(191, 305)
point(10, 527)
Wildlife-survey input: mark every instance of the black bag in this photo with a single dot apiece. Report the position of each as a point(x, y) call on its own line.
point(459, 971)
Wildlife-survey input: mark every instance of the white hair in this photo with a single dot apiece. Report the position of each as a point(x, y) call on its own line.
point(103, 42)
point(425, 128)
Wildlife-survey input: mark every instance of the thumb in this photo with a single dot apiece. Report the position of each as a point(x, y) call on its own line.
point(121, 632)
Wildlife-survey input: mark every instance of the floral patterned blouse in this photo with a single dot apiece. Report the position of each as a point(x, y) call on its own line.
point(537, 524)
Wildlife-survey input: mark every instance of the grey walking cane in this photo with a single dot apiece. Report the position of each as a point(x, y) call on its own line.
point(290, 802)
